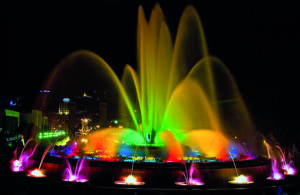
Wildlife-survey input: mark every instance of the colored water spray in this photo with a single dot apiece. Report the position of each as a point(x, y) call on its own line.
point(77, 175)
point(287, 166)
point(189, 177)
point(17, 164)
point(38, 172)
point(130, 179)
point(276, 174)
point(239, 179)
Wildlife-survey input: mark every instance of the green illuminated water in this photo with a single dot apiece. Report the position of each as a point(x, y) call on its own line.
point(178, 96)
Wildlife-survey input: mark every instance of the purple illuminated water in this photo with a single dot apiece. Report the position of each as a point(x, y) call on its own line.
point(78, 175)
point(191, 177)
point(19, 164)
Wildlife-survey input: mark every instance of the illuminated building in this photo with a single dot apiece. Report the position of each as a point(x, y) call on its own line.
point(65, 119)
point(13, 123)
point(66, 113)
point(33, 122)
point(58, 121)
point(85, 130)
point(51, 134)
point(94, 107)
point(9, 121)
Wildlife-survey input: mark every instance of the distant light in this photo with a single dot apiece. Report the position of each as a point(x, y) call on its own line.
point(116, 122)
point(85, 120)
point(45, 91)
point(66, 100)
point(45, 135)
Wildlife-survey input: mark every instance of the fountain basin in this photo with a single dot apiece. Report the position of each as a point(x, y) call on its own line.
point(162, 174)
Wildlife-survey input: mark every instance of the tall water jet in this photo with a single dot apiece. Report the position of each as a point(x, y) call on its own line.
point(178, 96)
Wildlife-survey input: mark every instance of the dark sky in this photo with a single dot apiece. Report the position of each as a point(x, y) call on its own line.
point(258, 42)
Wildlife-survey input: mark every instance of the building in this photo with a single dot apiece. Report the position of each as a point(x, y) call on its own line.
point(66, 113)
point(65, 118)
point(103, 115)
point(33, 122)
point(13, 123)
point(94, 107)
point(56, 121)
point(9, 122)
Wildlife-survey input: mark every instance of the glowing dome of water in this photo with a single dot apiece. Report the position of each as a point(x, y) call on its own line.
point(180, 99)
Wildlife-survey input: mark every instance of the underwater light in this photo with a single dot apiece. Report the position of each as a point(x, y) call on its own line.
point(242, 179)
point(16, 166)
point(288, 170)
point(74, 178)
point(36, 173)
point(192, 182)
point(276, 176)
point(130, 180)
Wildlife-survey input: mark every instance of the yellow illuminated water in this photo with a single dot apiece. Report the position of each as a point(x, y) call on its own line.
point(178, 96)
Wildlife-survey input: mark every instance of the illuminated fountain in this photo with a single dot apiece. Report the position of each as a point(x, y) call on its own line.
point(181, 106)
point(78, 175)
point(18, 164)
point(190, 178)
point(196, 108)
point(130, 180)
point(289, 169)
point(241, 179)
point(287, 165)
point(38, 172)
point(276, 173)
point(281, 168)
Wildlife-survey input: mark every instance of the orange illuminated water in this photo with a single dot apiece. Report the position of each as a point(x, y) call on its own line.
point(36, 173)
point(130, 180)
point(178, 97)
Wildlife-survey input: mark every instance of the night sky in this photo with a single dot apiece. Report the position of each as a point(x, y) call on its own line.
point(258, 42)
